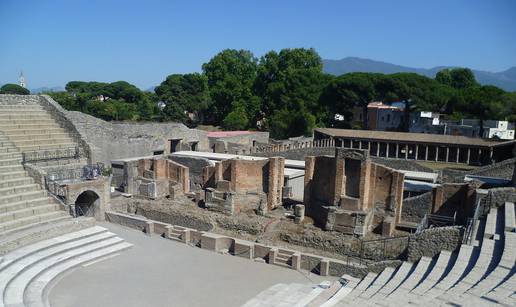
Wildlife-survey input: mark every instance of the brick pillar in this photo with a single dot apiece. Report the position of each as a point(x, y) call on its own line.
point(309, 173)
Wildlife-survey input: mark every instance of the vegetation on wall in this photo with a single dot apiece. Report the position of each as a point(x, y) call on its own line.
point(284, 92)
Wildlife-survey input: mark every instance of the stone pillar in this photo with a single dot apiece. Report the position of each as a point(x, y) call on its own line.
point(447, 153)
point(406, 151)
point(149, 228)
point(397, 149)
point(273, 252)
point(479, 158)
point(417, 152)
point(468, 155)
point(490, 155)
point(426, 152)
point(387, 151)
point(296, 261)
point(377, 149)
point(458, 154)
point(360, 144)
point(436, 153)
point(299, 213)
point(324, 267)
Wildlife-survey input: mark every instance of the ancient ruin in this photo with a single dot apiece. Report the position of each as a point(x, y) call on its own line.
point(234, 185)
point(394, 231)
point(351, 194)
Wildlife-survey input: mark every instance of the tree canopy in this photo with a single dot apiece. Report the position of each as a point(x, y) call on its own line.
point(14, 89)
point(284, 92)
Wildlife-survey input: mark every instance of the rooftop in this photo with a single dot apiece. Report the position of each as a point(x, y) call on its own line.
point(411, 137)
point(222, 134)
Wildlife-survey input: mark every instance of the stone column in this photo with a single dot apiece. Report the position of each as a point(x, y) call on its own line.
point(468, 155)
point(377, 149)
point(436, 153)
point(387, 150)
point(458, 154)
point(447, 153)
point(360, 144)
point(426, 152)
point(406, 151)
point(490, 155)
point(417, 152)
point(479, 158)
point(397, 149)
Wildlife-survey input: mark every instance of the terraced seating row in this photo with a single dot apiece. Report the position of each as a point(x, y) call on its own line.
point(31, 128)
point(27, 272)
point(481, 274)
point(23, 204)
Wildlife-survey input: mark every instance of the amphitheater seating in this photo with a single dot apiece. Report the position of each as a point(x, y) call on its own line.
point(26, 273)
point(481, 274)
point(23, 204)
point(31, 128)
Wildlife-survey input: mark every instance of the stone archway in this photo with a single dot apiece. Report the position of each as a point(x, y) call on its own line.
point(87, 203)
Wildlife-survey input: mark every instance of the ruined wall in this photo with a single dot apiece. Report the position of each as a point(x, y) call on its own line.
point(350, 194)
point(195, 169)
point(415, 208)
point(110, 140)
point(432, 241)
point(239, 185)
point(302, 153)
point(449, 198)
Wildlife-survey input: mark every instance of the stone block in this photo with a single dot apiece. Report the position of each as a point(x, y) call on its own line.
point(296, 261)
point(324, 267)
point(243, 249)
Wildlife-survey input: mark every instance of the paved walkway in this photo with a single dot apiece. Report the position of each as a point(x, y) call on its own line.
point(157, 272)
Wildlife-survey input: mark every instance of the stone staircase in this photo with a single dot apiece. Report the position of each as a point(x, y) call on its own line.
point(26, 274)
point(31, 128)
point(23, 204)
point(481, 274)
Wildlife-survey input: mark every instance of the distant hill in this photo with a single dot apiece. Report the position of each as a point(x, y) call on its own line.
point(40, 90)
point(504, 79)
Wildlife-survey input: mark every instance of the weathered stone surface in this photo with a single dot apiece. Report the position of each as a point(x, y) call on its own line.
point(432, 241)
point(415, 208)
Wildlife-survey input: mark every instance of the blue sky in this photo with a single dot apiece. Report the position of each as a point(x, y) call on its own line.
point(143, 41)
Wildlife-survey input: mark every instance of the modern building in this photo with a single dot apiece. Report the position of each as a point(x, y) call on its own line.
point(430, 122)
point(421, 146)
point(384, 117)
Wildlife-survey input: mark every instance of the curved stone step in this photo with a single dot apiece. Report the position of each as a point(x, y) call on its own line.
point(15, 287)
point(36, 293)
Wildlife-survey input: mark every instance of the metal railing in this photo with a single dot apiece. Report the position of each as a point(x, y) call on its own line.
point(52, 154)
point(53, 180)
point(435, 220)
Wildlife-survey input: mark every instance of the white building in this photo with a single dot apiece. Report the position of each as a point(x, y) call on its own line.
point(498, 129)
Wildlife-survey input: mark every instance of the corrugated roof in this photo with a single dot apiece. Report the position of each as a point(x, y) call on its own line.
point(410, 137)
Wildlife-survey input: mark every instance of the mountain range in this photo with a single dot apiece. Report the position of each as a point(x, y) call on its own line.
point(504, 79)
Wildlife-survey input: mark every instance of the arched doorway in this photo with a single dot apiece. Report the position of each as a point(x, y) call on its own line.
point(86, 203)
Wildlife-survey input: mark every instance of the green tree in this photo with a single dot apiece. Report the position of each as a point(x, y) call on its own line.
point(347, 91)
point(231, 74)
point(189, 91)
point(236, 119)
point(458, 78)
point(14, 89)
point(291, 80)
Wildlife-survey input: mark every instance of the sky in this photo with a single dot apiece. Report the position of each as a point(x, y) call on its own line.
point(54, 41)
